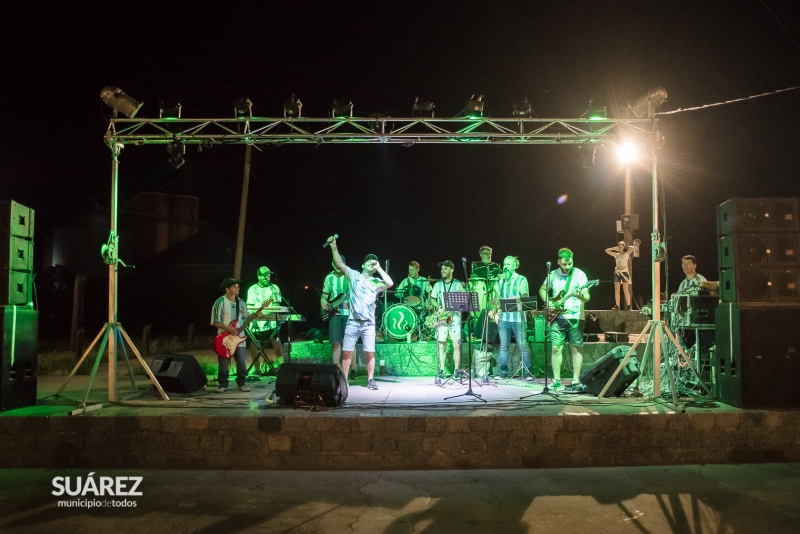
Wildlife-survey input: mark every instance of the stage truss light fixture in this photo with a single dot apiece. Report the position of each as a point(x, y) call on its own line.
point(647, 104)
point(341, 108)
point(119, 102)
point(597, 111)
point(522, 108)
point(242, 108)
point(627, 152)
point(292, 107)
point(176, 151)
point(169, 108)
point(422, 108)
point(474, 107)
point(588, 155)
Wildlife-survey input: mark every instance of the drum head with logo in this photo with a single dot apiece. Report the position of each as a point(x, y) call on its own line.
point(400, 320)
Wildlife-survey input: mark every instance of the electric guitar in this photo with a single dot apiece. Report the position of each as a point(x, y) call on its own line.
point(328, 314)
point(557, 305)
point(225, 344)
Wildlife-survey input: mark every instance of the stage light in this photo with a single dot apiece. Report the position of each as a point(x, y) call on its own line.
point(522, 108)
point(176, 150)
point(474, 107)
point(588, 155)
point(341, 108)
point(118, 101)
point(646, 105)
point(596, 111)
point(627, 152)
point(169, 108)
point(242, 108)
point(292, 107)
point(422, 108)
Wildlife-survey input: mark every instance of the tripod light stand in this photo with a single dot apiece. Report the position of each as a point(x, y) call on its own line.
point(112, 331)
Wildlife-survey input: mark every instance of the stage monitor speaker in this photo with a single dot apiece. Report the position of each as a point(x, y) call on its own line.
point(758, 250)
point(597, 376)
point(310, 384)
point(760, 284)
point(16, 220)
point(20, 358)
point(757, 215)
point(756, 357)
point(180, 373)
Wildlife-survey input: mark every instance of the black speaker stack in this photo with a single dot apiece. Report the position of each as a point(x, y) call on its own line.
point(310, 384)
point(757, 334)
point(20, 320)
point(179, 373)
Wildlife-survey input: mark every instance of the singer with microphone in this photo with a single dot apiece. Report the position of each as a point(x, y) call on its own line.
point(364, 290)
point(513, 285)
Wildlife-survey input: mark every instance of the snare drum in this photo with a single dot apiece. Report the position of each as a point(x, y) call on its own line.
point(400, 320)
point(412, 296)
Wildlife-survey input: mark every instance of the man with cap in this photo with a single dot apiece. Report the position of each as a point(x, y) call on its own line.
point(268, 330)
point(447, 323)
point(364, 290)
point(414, 289)
point(226, 309)
point(335, 304)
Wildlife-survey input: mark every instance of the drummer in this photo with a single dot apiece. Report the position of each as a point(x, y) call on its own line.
point(483, 278)
point(414, 290)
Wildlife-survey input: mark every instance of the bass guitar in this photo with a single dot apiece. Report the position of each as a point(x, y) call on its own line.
point(225, 344)
point(327, 314)
point(557, 304)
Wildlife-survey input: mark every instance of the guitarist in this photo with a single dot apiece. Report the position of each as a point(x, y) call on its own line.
point(336, 289)
point(570, 283)
point(227, 308)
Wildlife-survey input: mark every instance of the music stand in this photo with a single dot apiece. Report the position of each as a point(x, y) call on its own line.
point(521, 305)
point(463, 301)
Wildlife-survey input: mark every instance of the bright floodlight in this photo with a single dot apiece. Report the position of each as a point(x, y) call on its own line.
point(118, 101)
point(627, 152)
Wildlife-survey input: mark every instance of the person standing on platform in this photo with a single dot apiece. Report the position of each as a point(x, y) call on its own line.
point(447, 323)
point(694, 280)
point(364, 291)
point(568, 294)
point(335, 304)
point(267, 331)
point(622, 276)
point(226, 309)
point(513, 285)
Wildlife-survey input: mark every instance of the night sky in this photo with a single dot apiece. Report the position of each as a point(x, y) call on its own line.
point(428, 203)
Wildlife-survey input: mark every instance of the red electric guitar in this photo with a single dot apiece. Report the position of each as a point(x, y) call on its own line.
point(225, 344)
point(557, 304)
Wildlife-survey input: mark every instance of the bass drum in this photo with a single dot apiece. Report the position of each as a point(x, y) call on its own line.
point(400, 320)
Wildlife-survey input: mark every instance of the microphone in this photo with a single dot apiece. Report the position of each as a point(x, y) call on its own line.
point(548, 265)
point(328, 242)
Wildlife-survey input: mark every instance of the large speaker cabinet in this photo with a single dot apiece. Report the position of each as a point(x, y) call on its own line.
point(20, 358)
point(757, 215)
point(757, 356)
point(180, 373)
point(310, 384)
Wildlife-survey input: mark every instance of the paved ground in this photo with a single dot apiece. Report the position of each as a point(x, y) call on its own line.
point(715, 498)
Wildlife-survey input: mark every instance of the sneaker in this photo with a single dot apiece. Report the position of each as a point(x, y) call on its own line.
point(501, 376)
point(244, 389)
point(615, 308)
point(371, 384)
point(529, 378)
point(556, 384)
point(222, 390)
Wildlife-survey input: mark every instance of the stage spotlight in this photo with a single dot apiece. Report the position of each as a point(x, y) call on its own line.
point(474, 107)
point(176, 151)
point(597, 111)
point(292, 107)
point(242, 108)
point(169, 108)
point(118, 101)
point(522, 108)
point(627, 152)
point(422, 108)
point(341, 108)
point(588, 155)
point(647, 104)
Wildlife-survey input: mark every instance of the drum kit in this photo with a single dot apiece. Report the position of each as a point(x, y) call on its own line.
point(408, 316)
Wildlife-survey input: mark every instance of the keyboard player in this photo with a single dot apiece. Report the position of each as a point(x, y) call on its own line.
point(268, 330)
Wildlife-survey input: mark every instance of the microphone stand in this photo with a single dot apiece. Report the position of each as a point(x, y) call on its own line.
point(546, 390)
point(287, 358)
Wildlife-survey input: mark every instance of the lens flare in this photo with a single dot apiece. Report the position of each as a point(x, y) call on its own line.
point(562, 199)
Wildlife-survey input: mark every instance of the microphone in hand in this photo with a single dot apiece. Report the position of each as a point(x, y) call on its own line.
point(330, 239)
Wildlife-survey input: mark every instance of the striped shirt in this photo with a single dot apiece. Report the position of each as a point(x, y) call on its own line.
point(337, 285)
point(224, 311)
point(438, 291)
point(516, 286)
point(256, 296)
point(363, 294)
